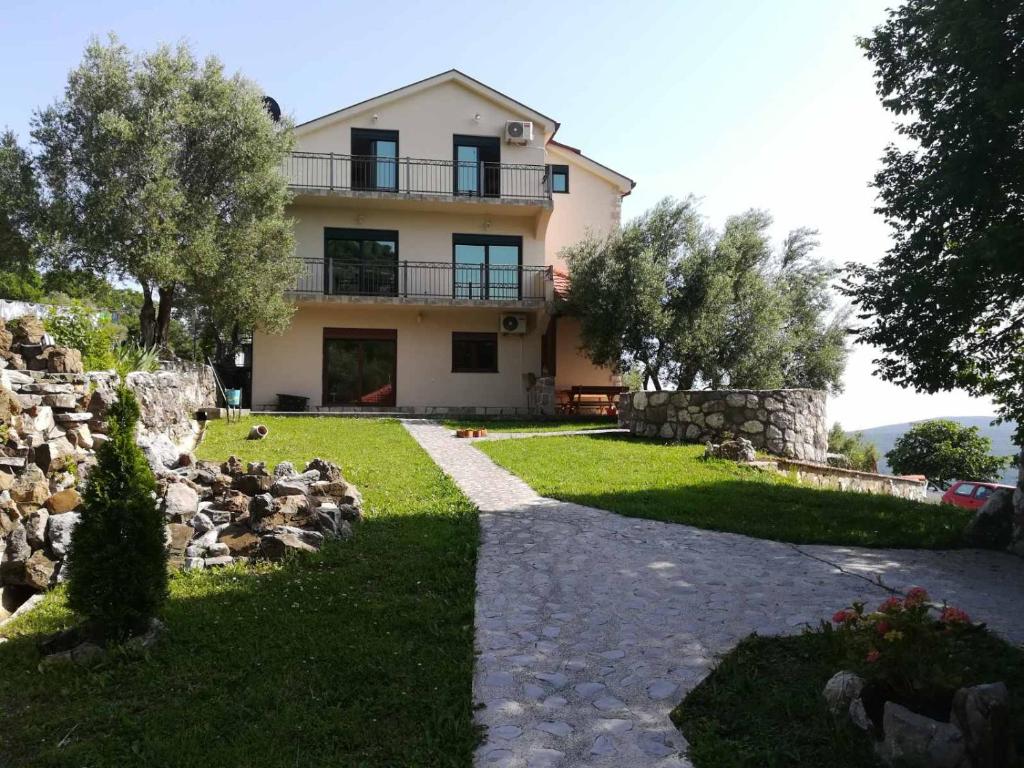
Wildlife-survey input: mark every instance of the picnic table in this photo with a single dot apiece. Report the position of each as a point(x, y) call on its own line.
point(599, 399)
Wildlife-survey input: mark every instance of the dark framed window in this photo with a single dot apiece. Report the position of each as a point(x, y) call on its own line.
point(477, 165)
point(360, 262)
point(487, 266)
point(360, 366)
point(374, 160)
point(474, 352)
point(560, 179)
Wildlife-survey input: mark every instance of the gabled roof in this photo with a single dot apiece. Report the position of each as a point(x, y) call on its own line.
point(549, 124)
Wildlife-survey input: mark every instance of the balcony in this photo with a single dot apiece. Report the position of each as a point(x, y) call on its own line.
point(321, 173)
point(423, 282)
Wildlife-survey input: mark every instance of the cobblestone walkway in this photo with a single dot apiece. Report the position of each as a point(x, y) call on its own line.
point(591, 626)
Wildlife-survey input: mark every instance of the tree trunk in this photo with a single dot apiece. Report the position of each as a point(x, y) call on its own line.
point(654, 380)
point(163, 315)
point(147, 318)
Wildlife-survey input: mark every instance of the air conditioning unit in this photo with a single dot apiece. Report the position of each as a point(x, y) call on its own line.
point(513, 323)
point(518, 132)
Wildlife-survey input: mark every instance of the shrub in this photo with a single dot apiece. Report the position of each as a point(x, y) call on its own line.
point(87, 331)
point(131, 357)
point(943, 451)
point(118, 562)
point(906, 653)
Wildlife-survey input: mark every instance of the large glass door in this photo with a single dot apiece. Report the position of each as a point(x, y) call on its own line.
point(361, 262)
point(374, 160)
point(477, 165)
point(359, 366)
point(487, 267)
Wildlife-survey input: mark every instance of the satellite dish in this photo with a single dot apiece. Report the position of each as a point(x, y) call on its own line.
point(272, 107)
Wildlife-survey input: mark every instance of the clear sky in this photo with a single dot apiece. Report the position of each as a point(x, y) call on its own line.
point(739, 102)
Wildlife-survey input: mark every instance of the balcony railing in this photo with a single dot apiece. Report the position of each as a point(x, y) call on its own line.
point(416, 176)
point(422, 279)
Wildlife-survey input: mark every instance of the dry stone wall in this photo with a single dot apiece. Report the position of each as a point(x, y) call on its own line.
point(785, 422)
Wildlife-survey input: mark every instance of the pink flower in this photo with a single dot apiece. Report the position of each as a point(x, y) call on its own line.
point(892, 605)
point(915, 597)
point(883, 627)
point(952, 615)
point(873, 656)
point(844, 616)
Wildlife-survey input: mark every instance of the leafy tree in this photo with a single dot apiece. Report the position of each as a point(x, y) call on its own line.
point(19, 207)
point(688, 306)
point(118, 561)
point(862, 455)
point(164, 171)
point(92, 333)
point(944, 451)
point(946, 303)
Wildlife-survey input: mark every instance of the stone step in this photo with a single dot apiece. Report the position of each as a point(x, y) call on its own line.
point(72, 417)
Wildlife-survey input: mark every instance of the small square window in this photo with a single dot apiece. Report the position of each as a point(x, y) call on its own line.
point(474, 352)
point(560, 178)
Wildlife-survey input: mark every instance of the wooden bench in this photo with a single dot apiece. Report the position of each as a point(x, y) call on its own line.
point(596, 399)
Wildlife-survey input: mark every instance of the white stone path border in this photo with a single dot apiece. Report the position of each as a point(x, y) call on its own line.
point(592, 626)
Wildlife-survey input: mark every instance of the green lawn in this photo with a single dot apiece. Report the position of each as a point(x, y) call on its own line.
point(361, 655)
point(532, 425)
point(670, 482)
point(762, 707)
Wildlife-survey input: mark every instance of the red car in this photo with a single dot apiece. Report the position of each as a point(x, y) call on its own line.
point(970, 494)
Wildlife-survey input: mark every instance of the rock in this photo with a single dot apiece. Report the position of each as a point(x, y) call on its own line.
point(252, 485)
point(239, 541)
point(64, 501)
point(235, 503)
point(28, 329)
point(31, 487)
point(64, 360)
point(217, 549)
point(16, 552)
point(328, 470)
point(289, 488)
point(740, 449)
point(54, 454)
point(277, 546)
point(213, 562)
point(180, 502)
point(81, 436)
point(59, 529)
point(284, 469)
point(178, 536)
point(232, 467)
point(992, 525)
point(38, 571)
point(257, 468)
point(982, 713)
point(314, 539)
point(841, 689)
point(193, 564)
point(99, 405)
point(160, 452)
point(201, 522)
point(35, 528)
point(10, 404)
point(63, 402)
point(915, 741)
point(332, 525)
point(859, 715)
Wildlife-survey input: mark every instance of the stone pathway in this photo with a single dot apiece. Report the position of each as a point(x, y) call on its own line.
point(591, 626)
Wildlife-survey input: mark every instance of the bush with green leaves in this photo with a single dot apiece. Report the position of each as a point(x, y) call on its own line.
point(863, 455)
point(944, 451)
point(118, 560)
point(87, 330)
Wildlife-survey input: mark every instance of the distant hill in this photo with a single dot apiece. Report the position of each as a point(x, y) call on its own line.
point(1002, 445)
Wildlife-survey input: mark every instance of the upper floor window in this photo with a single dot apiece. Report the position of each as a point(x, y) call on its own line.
point(361, 262)
point(374, 159)
point(477, 165)
point(560, 178)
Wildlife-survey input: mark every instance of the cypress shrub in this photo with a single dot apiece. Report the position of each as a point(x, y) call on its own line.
point(118, 560)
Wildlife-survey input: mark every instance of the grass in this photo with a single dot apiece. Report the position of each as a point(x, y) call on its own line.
point(670, 482)
point(762, 707)
point(532, 425)
point(358, 656)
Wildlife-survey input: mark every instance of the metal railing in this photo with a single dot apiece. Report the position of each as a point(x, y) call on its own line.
point(422, 279)
point(413, 175)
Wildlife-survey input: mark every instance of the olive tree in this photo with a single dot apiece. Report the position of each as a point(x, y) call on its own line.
point(166, 171)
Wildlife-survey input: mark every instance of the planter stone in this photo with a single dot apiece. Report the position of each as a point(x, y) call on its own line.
point(916, 741)
point(982, 713)
point(59, 529)
point(841, 690)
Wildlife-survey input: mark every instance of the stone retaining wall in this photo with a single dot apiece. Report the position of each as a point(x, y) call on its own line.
point(785, 422)
point(840, 479)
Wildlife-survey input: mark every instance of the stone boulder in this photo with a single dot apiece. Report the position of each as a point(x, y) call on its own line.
point(240, 541)
point(64, 360)
point(328, 470)
point(35, 528)
point(29, 329)
point(992, 525)
point(277, 546)
point(841, 690)
point(915, 741)
point(740, 449)
point(59, 529)
point(64, 501)
point(181, 502)
point(982, 713)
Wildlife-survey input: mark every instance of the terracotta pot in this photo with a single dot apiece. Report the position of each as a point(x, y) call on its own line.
point(476, 433)
point(481, 433)
point(463, 432)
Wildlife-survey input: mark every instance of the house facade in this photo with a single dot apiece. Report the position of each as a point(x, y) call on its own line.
point(428, 224)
